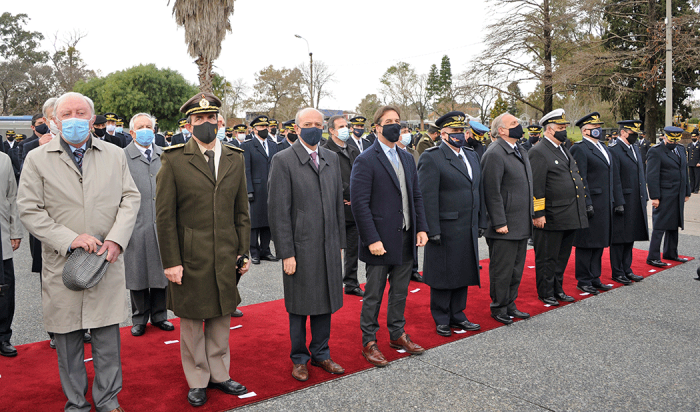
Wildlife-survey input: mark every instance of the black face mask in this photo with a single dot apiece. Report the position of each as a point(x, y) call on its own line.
point(10, 138)
point(358, 132)
point(168, 138)
point(457, 139)
point(534, 139)
point(694, 139)
point(392, 132)
point(292, 137)
point(263, 134)
point(229, 135)
point(632, 137)
point(42, 129)
point(205, 132)
point(274, 130)
point(560, 135)
point(99, 132)
point(472, 142)
point(311, 135)
point(597, 133)
point(516, 132)
point(671, 145)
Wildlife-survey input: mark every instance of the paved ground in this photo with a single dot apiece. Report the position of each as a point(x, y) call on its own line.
point(634, 348)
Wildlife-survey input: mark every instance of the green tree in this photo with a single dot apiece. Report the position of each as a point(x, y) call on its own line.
point(368, 105)
point(445, 77)
point(143, 88)
point(514, 98)
point(278, 92)
point(500, 106)
point(433, 86)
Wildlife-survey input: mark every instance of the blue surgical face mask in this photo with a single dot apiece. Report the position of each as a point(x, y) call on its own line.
point(145, 137)
point(343, 134)
point(119, 129)
point(75, 130)
point(311, 135)
point(186, 132)
point(221, 133)
point(406, 139)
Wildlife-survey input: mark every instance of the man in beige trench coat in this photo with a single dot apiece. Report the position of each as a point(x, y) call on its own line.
point(73, 188)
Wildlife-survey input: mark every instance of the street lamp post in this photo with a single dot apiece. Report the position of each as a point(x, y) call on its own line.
point(311, 69)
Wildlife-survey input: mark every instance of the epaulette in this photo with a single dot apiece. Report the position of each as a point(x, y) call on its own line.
point(234, 147)
point(177, 146)
point(613, 144)
point(467, 148)
point(431, 148)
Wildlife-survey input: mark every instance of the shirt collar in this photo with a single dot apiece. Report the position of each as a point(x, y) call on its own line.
point(385, 148)
point(552, 142)
point(216, 149)
point(309, 151)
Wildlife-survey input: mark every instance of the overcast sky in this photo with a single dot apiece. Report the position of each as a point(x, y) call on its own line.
point(357, 39)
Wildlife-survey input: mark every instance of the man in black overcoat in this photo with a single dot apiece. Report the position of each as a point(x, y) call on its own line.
point(603, 194)
point(508, 197)
point(694, 162)
point(258, 153)
point(289, 136)
point(559, 207)
point(669, 189)
point(534, 132)
point(630, 225)
point(183, 136)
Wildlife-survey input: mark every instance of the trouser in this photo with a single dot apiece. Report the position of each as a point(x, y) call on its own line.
point(205, 352)
point(694, 173)
point(7, 302)
point(320, 335)
point(506, 264)
point(148, 304)
point(399, 277)
point(106, 359)
point(621, 259)
point(552, 251)
point(670, 244)
point(447, 305)
point(588, 266)
point(35, 251)
point(260, 242)
point(350, 262)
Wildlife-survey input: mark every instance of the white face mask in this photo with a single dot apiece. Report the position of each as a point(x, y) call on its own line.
point(406, 139)
point(240, 137)
point(343, 134)
point(53, 128)
point(111, 128)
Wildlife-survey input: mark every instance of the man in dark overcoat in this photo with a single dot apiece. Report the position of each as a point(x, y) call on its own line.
point(203, 228)
point(308, 225)
point(388, 209)
point(508, 200)
point(603, 194)
point(142, 265)
point(450, 181)
point(559, 207)
point(631, 225)
point(694, 162)
point(669, 189)
point(258, 153)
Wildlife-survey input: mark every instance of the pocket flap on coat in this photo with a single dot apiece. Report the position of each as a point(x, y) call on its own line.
point(449, 215)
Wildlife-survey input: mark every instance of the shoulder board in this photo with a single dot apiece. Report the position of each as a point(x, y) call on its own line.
point(467, 148)
point(431, 148)
point(177, 146)
point(613, 144)
point(233, 147)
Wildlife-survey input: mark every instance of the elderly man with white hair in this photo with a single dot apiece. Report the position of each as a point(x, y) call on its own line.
point(67, 198)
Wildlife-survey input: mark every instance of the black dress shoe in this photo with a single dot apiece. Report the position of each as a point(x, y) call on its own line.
point(138, 330)
point(466, 325)
point(52, 344)
point(417, 277)
point(678, 259)
point(622, 280)
point(697, 278)
point(549, 301)
point(164, 325)
point(237, 313)
point(530, 242)
point(443, 330)
point(87, 337)
point(270, 257)
point(658, 263)
point(563, 297)
point(197, 396)
point(7, 350)
point(636, 278)
point(504, 319)
point(230, 387)
point(603, 287)
point(518, 314)
point(255, 261)
point(354, 291)
point(588, 289)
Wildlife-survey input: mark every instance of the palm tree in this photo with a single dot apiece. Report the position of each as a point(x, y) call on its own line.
point(206, 23)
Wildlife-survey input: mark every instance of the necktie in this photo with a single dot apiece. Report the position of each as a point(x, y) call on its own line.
point(359, 145)
point(517, 151)
point(148, 154)
point(469, 170)
point(563, 152)
point(314, 156)
point(676, 152)
point(264, 142)
point(393, 158)
point(79, 153)
point(210, 155)
point(633, 153)
point(605, 155)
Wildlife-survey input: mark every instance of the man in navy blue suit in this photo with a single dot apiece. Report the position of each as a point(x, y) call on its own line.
point(388, 209)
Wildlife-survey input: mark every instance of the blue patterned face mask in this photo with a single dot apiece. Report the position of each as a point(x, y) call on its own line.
point(75, 130)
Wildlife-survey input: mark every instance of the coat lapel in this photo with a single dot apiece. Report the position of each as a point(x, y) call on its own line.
point(224, 163)
point(454, 160)
point(597, 152)
point(259, 146)
point(384, 160)
point(670, 153)
point(197, 159)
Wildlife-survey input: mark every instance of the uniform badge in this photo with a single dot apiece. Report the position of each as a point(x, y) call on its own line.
point(204, 103)
point(556, 162)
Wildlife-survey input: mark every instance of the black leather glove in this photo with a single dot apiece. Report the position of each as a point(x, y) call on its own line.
point(620, 210)
point(481, 231)
point(589, 211)
point(435, 240)
point(251, 197)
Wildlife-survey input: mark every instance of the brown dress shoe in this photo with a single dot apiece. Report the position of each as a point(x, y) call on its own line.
point(119, 409)
point(300, 373)
point(405, 343)
point(373, 355)
point(329, 366)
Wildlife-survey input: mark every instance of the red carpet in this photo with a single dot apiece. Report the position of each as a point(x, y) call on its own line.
point(153, 377)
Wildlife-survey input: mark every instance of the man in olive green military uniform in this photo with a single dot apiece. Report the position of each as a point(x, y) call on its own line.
point(203, 228)
point(428, 140)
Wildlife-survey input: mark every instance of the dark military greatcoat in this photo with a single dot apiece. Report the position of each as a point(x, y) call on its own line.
point(667, 180)
point(632, 225)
